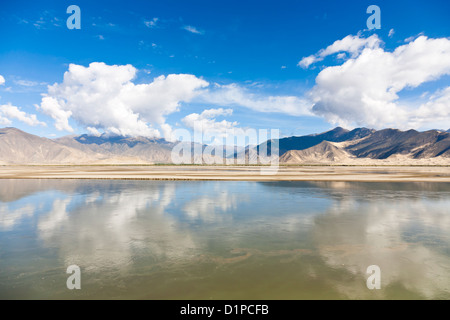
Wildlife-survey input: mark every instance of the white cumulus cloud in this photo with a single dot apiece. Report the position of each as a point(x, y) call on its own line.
point(2, 80)
point(103, 97)
point(213, 131)
point(351, 44)
point(93, 131)
point(207, 121)
point(436, 111)
point(365, 89)
point(4, 121)
point(219, 133)
point(8, 111)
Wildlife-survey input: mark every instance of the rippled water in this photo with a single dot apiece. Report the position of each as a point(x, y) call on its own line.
point(223, 240)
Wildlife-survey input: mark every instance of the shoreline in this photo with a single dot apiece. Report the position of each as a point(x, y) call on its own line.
point(230, 173)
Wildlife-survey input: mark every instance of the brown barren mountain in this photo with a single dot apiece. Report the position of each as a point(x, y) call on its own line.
point(360, 146)
point(324, 152)
point(18, 147)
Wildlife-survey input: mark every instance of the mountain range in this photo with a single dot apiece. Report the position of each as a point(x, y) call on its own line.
point(337, 146)
point(388, 145)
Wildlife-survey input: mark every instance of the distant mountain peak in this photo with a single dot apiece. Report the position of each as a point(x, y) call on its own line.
point(337, 130)
point(11, 129)
point(117, 139)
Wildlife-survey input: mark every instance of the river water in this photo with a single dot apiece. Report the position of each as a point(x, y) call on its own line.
point(223, 239)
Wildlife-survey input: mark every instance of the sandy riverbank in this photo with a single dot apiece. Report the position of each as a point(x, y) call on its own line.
point(236, 173)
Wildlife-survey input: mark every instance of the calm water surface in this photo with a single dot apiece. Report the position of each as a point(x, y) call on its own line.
point(223, 240)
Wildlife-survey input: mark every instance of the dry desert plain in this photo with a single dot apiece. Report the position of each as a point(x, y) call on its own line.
point(232, 173)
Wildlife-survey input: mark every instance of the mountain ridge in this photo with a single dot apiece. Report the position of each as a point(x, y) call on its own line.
point(336, 146)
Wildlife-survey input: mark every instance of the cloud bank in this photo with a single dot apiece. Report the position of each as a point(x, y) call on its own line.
point(104, 97)
point(207, 123)
point(365, 89)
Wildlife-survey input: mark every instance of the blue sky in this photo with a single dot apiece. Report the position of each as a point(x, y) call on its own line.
point(247, 54)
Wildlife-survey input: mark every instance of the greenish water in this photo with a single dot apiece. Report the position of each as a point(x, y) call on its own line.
point(223, 240)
